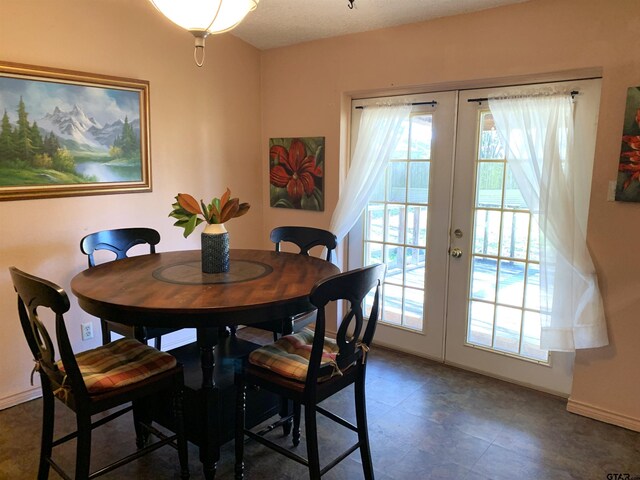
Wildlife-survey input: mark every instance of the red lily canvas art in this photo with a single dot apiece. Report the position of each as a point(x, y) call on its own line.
point(296, 173)
point(628, 184)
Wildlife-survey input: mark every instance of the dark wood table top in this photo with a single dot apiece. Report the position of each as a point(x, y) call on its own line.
point(170, 290)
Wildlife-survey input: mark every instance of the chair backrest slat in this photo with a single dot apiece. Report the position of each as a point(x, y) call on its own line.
point(35, 293)
point(305, 238)
point(352, 286)
point(119, 241)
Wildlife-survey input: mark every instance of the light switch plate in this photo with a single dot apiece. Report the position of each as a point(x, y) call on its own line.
point(611, 192)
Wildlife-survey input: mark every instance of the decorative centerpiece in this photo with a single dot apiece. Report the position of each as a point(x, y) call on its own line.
point(190, 213)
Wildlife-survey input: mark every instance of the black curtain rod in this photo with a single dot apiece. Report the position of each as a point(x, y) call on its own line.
point(433, 103)
point(480, 100)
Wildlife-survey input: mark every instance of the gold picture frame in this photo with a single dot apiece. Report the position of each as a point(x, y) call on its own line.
point(67, 133)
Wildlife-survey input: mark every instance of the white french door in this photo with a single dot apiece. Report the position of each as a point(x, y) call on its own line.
point(405, 225)
point(460, 245)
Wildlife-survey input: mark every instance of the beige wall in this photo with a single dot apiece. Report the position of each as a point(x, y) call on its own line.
point(307, 87)
point(205, 134)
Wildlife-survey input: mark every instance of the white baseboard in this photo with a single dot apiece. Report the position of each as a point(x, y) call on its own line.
point(603, 415)
point(20, 397)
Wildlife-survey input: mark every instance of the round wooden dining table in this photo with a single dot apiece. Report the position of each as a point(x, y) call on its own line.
point(170, 290)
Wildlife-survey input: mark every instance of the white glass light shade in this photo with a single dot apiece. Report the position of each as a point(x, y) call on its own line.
point(202, 17)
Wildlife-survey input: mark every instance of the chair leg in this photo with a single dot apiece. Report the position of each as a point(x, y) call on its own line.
point(285, 411)
point(83, 445)
point(363, 431)
point(157, 343)
point(241, 393)
point(183, 455)
point(311, 431)
point(106, 333)
point(296, 424)
point(46, 445)
point(141, 417)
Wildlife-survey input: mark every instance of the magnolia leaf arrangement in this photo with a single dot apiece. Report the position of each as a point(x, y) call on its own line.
point(189, 213)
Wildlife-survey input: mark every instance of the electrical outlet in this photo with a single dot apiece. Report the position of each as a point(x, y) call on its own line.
point(87, 331)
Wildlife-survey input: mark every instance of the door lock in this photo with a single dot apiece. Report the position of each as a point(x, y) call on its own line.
point(456, 252)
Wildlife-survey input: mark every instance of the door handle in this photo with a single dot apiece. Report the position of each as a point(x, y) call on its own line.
point(456, 252)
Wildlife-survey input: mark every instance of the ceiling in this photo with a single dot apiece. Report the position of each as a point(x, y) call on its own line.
point(278, 23)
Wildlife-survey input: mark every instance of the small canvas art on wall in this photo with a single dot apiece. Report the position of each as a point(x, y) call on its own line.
point(296, 173)
point(628, 183)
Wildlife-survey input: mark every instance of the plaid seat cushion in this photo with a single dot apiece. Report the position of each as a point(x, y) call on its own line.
point(120, 363)
point(289, 356)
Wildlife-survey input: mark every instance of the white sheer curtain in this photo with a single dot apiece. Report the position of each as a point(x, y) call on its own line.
point(380, 128)
point(538, 132)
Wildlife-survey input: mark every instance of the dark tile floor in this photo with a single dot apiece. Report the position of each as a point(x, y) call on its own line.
point(426, 421)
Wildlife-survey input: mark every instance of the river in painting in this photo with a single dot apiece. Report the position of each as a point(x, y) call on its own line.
point(104, 172)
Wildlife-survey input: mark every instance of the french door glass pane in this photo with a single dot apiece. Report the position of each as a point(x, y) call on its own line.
point(491, 147)
point(484, 272)
point(489, 184)
point(397, 184)
point(512, 196)
point(373, 253)
point(487, 232)
point(480, 331)
point(392, 302)
point(531, 332)
point(378, 192)
point(414, 267)
point(416, 225)
point(401, 150)
point(419, 182)
point(511, 283)
point(413, 308)
point(393, 257)
point(375, 220)
point(507, 334)
point(504, 299)
point(532, 296)
point(515, 234)
point(421, 130)
point(396, 225)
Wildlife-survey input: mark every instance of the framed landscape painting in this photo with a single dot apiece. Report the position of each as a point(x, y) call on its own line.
point(68, 133)
point(296, 173)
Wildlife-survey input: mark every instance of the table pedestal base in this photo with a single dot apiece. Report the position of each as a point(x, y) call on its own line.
point(209, 413)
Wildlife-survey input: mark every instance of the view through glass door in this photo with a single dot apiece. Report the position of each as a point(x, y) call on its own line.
point(405, 225)
point(462, 280)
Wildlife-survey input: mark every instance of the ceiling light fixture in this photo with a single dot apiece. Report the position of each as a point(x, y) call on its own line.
point(204, 17)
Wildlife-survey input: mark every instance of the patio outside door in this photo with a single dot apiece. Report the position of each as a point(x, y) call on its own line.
point(461, 252)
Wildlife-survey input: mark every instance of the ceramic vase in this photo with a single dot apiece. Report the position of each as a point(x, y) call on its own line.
point(215, 249)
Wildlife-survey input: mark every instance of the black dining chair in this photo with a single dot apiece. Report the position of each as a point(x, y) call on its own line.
point(124, 373)
point(305, 238)
point(119, 242)
point(307, 368)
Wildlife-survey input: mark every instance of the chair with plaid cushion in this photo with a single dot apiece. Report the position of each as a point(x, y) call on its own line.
point(119, 242)
point(305, 238)
point(307, 368)
point(121, 372)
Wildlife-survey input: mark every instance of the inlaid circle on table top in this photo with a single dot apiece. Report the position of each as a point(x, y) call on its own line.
point(190, 273)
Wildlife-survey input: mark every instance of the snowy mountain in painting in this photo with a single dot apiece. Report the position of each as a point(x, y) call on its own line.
point(85, 131)
point(107, 134)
